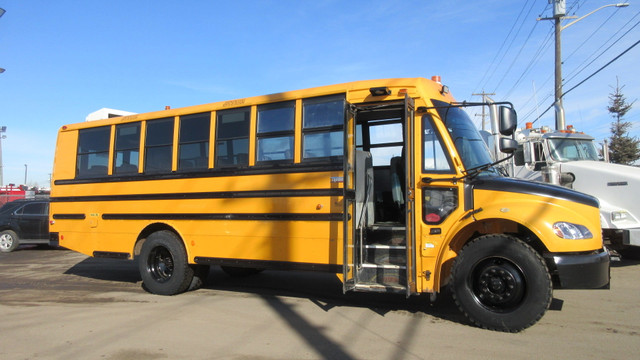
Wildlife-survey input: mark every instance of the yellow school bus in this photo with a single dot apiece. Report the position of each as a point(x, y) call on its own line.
point(385, 183)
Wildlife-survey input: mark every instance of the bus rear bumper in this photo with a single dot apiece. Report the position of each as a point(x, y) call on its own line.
point(54, 239)
point(582, 271)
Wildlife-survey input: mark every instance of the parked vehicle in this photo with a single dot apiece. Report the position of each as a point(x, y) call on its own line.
point(24, 222)
point(570, 159)
point(385, 183)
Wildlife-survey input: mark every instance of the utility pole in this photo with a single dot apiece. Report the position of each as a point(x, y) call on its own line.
point(559, 12)
point(484, 115)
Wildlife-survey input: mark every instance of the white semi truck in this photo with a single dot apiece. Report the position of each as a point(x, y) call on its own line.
point(570, 159)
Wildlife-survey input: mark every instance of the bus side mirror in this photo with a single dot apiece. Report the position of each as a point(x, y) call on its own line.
point(508, 145)
point(508, 121)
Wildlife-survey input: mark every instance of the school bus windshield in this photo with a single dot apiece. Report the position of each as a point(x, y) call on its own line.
point(467, 139)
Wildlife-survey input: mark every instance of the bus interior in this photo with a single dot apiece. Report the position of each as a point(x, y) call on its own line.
point(380, 240)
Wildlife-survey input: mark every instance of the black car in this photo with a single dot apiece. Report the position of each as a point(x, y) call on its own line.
point(24, 222)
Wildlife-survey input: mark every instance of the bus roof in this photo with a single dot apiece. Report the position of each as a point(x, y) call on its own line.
point(356, 91)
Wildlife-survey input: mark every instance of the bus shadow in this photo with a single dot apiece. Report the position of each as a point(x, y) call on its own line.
point(322, 289)
point(325, 291)
point(106, 269)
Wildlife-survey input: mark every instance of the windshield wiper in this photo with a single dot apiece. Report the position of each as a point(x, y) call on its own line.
point(469, 173)
point(478, 169)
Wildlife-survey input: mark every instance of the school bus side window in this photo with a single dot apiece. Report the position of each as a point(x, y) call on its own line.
point(232, 138)
point(159, 146)
point(193, 151)
point(323, 120)
point(275, 132)
point(93, 152)
point(127, 149)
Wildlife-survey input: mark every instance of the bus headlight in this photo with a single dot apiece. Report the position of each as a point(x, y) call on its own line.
point(571, 231)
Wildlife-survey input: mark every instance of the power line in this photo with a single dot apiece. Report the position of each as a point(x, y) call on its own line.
point(605, 50)
point(502, 47)
point(590, 76)
point(588, 38)
point(524, 43)
point(602, 68)
point(536, 57)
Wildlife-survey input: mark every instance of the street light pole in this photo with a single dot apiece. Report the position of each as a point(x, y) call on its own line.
point(559, 11)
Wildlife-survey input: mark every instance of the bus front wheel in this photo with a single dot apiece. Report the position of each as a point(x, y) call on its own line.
point(163, 264)
point(501, 283)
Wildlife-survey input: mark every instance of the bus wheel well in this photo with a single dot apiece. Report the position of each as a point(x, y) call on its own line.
point(501, 226)
point(490, 226)
point(150, 229)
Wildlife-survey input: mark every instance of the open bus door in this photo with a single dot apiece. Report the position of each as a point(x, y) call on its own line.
point(349, 261)
point(409, 133)
point(379, 256)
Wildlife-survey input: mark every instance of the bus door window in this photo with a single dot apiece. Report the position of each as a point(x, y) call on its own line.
point(232, 138)
point(380, 132)
point(434, 157)
point(437, 202)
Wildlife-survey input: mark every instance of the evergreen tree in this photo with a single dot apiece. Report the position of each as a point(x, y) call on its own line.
point(623, 149)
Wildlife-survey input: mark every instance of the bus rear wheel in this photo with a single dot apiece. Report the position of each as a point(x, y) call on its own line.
point(163, 264)
point(501, 283)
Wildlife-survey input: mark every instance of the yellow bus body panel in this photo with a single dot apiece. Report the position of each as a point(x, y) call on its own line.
point(534, 212)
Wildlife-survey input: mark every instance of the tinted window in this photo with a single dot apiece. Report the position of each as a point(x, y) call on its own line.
point(34, 209)
point(127, 149)
point(159, 146)
point(232, 137)
point(193, 153)
point(276, 117)
point(323, 144)
point(322, 135)
point(160, 132)
point(93, 152)
point(275, 132)
point(324, 111)
point(275, 148)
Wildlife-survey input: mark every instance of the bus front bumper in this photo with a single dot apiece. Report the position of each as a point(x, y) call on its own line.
point(582, 271)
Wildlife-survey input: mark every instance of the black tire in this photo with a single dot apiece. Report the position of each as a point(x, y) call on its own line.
point(163, 264)
point(236, 271)
point(628, 252)
point(501, 283)
point(9, 241)
point(200, 275)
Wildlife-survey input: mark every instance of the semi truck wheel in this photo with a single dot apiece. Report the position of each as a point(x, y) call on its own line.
point(501, 283)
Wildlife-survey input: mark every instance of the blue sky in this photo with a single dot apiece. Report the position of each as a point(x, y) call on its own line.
point(66, 59)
